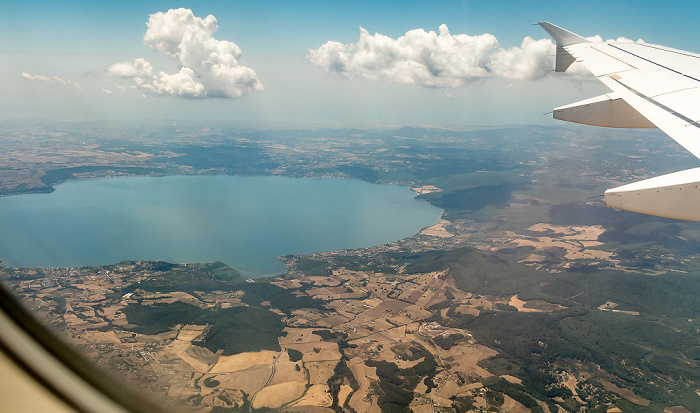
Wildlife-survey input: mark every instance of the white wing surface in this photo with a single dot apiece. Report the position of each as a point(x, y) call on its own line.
point(651, 86)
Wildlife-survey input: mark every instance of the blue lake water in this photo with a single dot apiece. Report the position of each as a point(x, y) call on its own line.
point(246, 222)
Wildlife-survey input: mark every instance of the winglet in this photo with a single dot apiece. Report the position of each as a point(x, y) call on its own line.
point(561, 36)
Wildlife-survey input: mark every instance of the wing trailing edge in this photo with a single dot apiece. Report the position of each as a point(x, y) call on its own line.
point(608, 110)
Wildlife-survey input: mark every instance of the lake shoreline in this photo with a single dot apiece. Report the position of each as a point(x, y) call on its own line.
point(366, 221)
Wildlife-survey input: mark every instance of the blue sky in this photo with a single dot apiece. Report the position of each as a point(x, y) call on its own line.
point(59, 59)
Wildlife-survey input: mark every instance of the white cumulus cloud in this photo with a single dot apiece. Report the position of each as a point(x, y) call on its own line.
point(51, 79)
point(440, 60)
point(209, 68)
point(625, 40)
point(532, 60)
point(423, 58)
point(598, 39)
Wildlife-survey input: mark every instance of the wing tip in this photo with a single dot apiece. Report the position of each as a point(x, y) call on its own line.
point(563, 37)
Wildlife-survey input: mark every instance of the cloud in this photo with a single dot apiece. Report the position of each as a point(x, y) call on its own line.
point(423, 58)
point(209, 68)
point(532, 60)
point(439, 60)
point(625, 40)
point(51, 79)
point(598, 39)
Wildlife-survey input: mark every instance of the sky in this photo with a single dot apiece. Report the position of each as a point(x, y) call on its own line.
point(361, 62)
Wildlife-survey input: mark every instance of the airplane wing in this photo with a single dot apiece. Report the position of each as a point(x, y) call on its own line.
point(651, 86)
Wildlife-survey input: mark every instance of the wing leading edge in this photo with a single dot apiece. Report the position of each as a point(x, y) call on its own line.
point(651, 87)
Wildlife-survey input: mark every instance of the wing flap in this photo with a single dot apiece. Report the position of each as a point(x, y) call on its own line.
point(607, 110)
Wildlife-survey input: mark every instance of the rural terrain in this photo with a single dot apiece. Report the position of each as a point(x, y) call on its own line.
point(529, 294)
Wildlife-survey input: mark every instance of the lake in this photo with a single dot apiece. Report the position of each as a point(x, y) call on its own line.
point(245, 222)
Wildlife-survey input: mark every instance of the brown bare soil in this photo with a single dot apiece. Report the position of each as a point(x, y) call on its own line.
point(249, 381)
point(190, 332)
point(299, 335)
point(365, 376)
point(278, 394)
point(535, 306)
point(466, 357)
point(438, 230)
point(243, 361)
point(286, 371)
point(626, 393)
point(176, 348)
point(512, 406)
point(316, 395)
point(320, 372)
point(196, 364)
point(202, 354)
point(511, 379)
point(317, 351)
